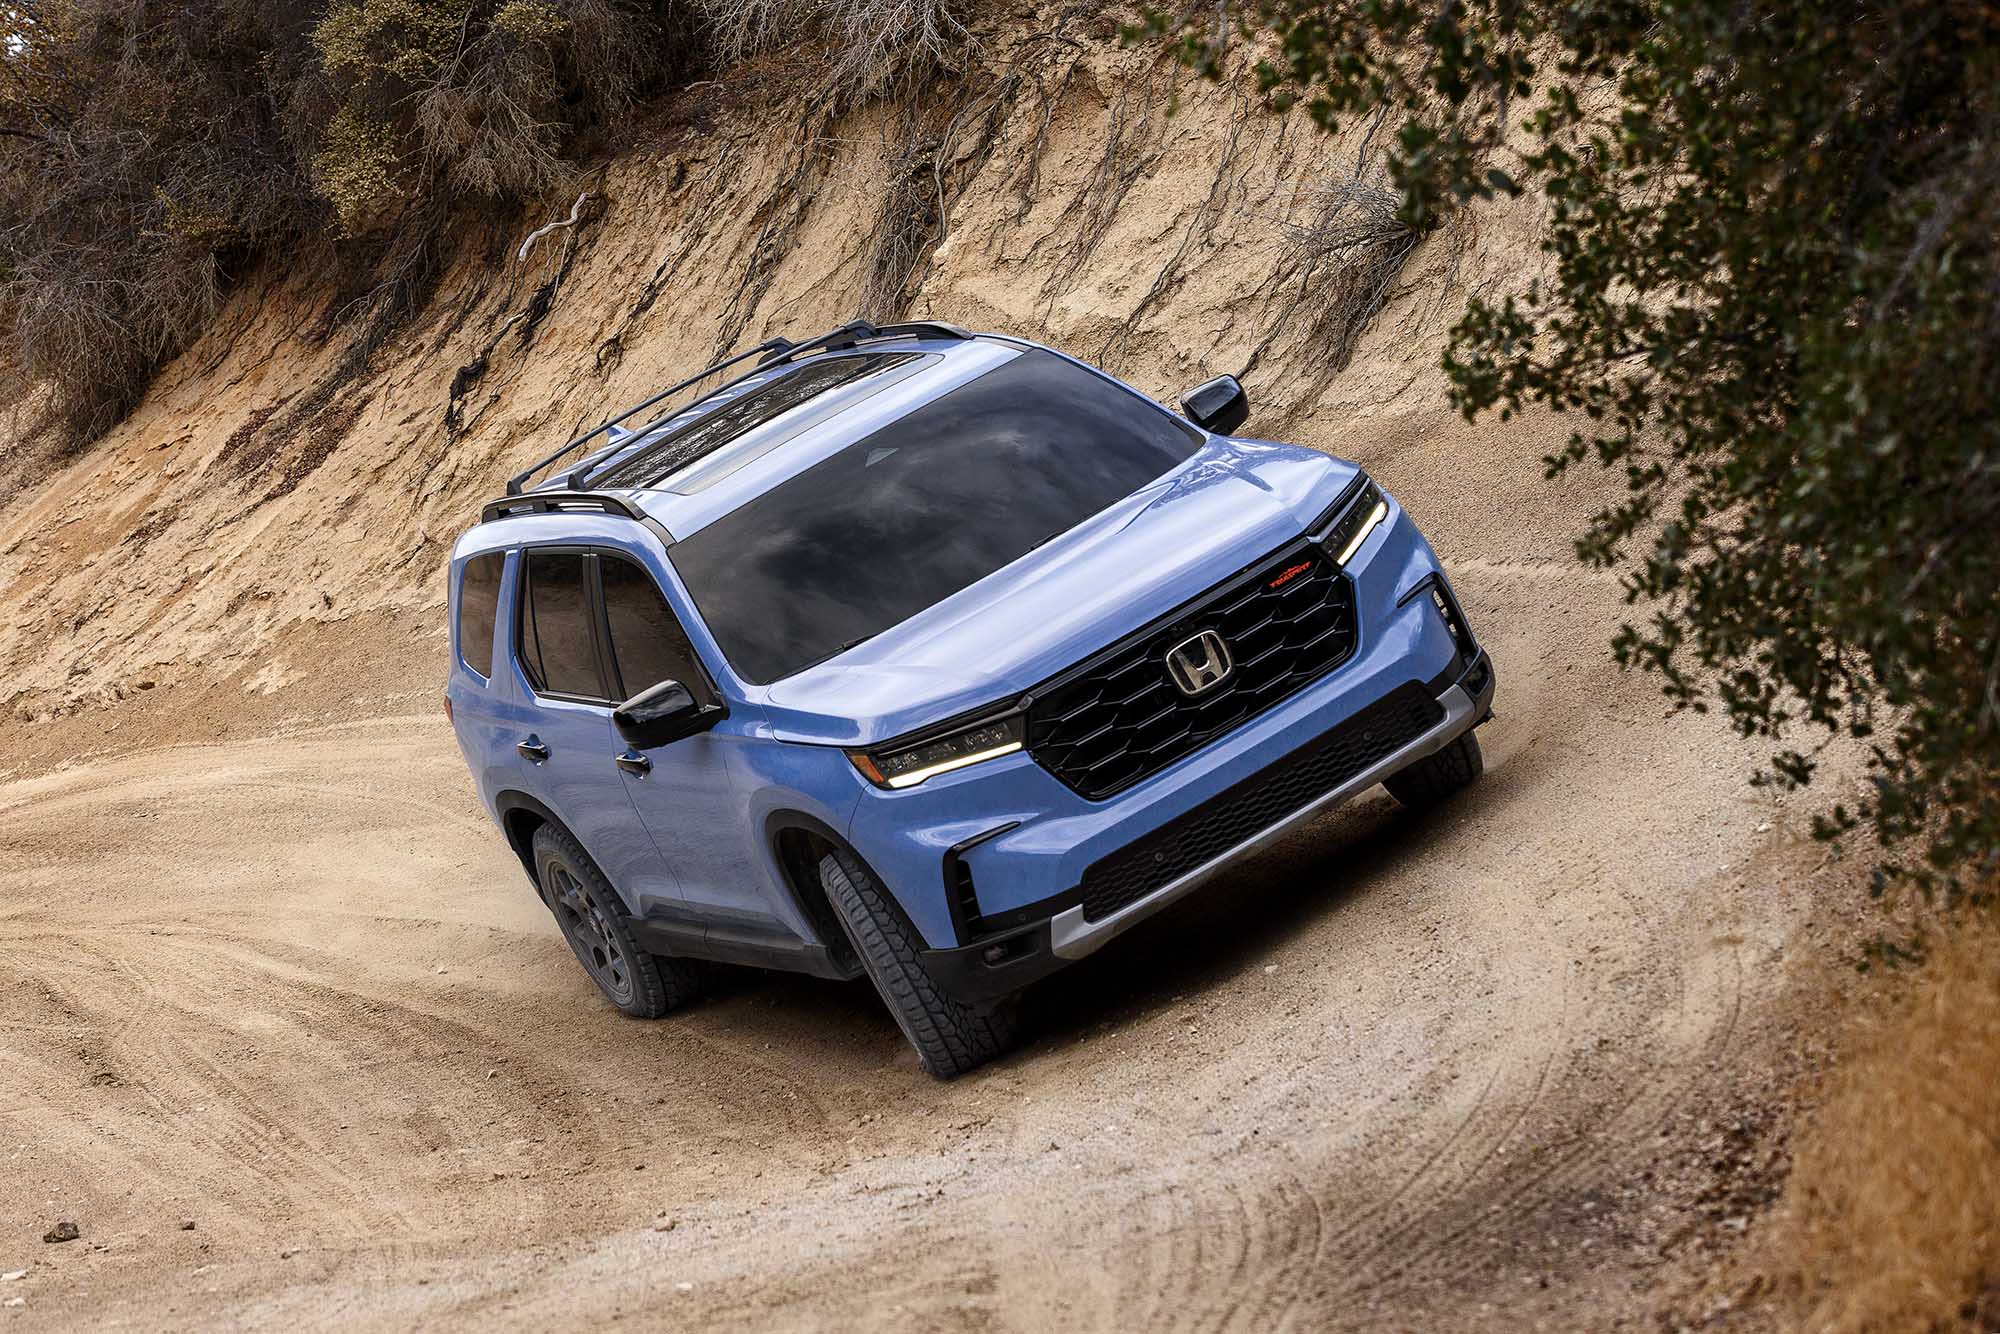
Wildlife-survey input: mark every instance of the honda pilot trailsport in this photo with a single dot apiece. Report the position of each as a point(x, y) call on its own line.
point(936, 656)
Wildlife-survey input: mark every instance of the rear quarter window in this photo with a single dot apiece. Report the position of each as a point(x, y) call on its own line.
point(478, 606)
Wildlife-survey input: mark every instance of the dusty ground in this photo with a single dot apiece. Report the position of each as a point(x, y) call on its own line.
point(265, 970)
point(295, 992)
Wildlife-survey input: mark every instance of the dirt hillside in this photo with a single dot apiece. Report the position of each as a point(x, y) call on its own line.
point(266, 971)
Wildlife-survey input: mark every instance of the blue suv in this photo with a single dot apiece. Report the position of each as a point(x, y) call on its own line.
point(939, 657)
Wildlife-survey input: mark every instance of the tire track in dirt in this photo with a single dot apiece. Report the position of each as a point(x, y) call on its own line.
point(340, 1024)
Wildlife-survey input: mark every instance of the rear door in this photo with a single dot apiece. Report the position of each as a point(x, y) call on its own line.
point(570, 747)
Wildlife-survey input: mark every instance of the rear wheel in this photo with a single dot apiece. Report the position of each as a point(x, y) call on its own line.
point(1437, 776)
point(594, 922)
point(950, 1038)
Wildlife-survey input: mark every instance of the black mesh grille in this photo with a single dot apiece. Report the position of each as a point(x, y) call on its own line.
point(1259, 801)
point(1119, 717)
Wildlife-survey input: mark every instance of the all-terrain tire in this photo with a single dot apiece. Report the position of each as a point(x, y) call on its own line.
point(594, 922)
point(1437, 776)
point(950, 1038)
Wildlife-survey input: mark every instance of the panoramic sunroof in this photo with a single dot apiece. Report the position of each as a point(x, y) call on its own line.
point(654, 463)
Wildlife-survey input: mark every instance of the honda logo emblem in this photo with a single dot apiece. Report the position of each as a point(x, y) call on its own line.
point(1197, 666)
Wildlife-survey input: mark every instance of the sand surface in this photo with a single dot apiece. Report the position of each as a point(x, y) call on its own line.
point(296, 992)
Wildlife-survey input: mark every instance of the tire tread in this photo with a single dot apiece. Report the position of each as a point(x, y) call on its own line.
point(950, 1038)
point(660, 984)
point(1438, 776)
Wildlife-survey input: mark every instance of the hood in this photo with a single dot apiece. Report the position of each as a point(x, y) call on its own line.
point(1232, 503)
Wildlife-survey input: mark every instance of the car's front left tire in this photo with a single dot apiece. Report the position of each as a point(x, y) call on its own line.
point(950, 1038)
point(597, 929)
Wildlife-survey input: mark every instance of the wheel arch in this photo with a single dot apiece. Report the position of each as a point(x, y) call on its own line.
point(520, 816)
point(797, 841)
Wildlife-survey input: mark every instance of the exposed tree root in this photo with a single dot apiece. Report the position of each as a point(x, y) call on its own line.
point(1200, 229)
point(1031, 175)
point(1132, 149)
point(781, 214)
point(291, 439)
point(1339, 270)
point(522, 323)
point(926, 180)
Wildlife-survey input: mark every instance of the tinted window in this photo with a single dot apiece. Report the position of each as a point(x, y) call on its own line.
point(558, 640)
point(478, 600)
point(645, 638)
point(906, 517)
point(715, 428)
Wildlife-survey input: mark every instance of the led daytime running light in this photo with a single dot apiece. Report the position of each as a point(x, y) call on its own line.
point(1368, 525)
point(916, 776)
point(907, 766)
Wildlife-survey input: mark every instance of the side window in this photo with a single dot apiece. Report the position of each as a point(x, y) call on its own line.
point(558, 648)
point(478, 601)
point(648, 642)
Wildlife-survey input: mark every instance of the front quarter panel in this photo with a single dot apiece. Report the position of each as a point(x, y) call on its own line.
point(792, 786)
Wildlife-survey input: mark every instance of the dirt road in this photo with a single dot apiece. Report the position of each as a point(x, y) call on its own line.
point(296, 994)
point(286, 985)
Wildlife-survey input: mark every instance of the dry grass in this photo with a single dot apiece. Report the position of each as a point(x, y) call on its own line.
point(1891, 1218)
point(1350, 248)
point(872, 46)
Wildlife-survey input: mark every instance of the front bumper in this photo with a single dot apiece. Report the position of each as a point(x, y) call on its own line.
point(1003, 962)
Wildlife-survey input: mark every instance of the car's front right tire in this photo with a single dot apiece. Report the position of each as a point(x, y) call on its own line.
point(950, 1038)
point(1439, 775)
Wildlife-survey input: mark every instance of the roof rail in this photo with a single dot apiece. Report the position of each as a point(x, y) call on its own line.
point(923, 329)
point(861, 331)
point(773, 351)
point(517, 483)
point(556, 502)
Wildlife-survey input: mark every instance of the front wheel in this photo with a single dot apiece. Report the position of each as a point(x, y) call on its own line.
point(1438, 775)
point(950, 1038)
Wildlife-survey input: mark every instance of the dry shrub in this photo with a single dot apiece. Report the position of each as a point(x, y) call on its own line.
point(137, 160)
point(149, 154)
point(478, 102)
point(1348, 251)
point(1892, 1212)
point(873, 45)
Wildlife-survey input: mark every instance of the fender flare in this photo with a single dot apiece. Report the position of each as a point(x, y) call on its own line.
point(801, 882)
point(519, 814)
point(811, 899)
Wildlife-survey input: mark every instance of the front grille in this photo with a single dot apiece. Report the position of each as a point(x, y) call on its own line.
point(1119, 717)
point(1259, 801)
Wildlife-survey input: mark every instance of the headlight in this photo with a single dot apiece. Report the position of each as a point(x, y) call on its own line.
point(909, 765)
point(1345, 534)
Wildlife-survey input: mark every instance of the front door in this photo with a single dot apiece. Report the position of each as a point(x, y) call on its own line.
point(688, 795)
point(568, 743)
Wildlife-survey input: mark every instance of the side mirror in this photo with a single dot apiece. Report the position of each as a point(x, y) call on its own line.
point(664, 713)
point(1219, 406)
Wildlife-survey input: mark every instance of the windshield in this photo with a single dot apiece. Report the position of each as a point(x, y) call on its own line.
point(936, 500)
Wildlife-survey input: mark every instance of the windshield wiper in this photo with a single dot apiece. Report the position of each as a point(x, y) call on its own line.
point(856, 642)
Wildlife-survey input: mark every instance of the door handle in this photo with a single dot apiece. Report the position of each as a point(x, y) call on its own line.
point(632, 762)
point(532, 749)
